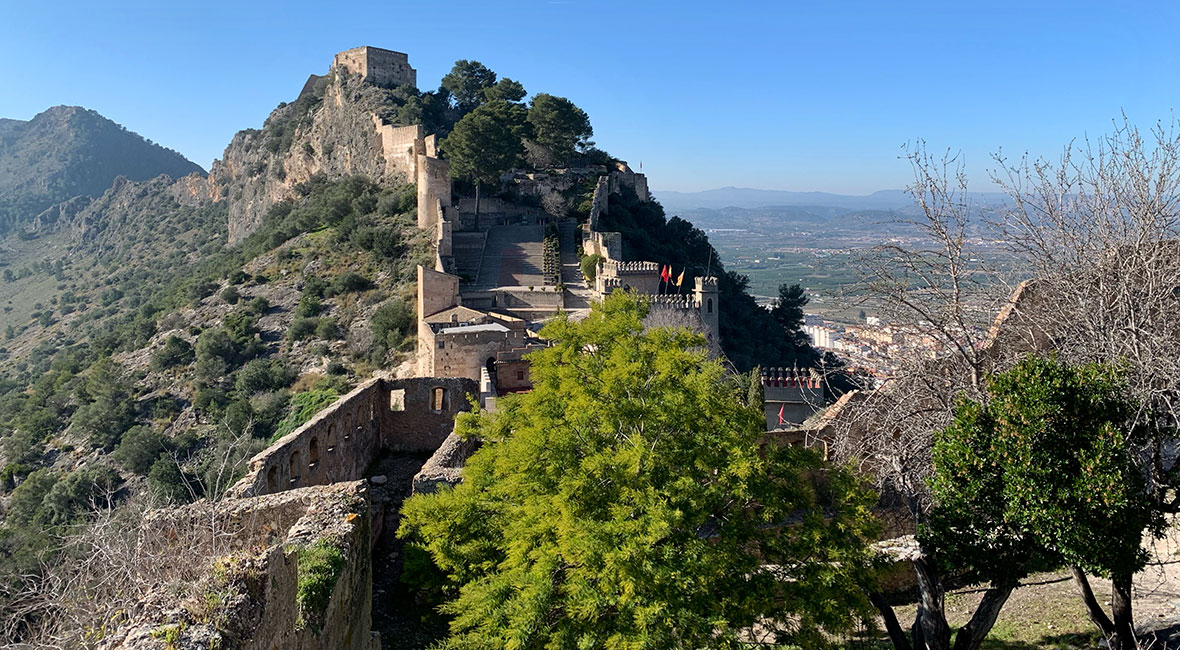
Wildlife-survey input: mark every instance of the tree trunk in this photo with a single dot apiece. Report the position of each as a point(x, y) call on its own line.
point(477, 204)
point(1124, 622)
point(896, 634)
point(931, 631)
point(971, 635)
point(1097, 615)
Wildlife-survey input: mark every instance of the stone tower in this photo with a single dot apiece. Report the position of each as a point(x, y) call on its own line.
point(377, 66)
point(706, 297)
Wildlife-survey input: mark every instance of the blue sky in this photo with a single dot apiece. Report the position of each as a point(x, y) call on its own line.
point(779, 95)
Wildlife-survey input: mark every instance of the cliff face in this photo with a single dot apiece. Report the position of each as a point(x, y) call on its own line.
point(339, 126)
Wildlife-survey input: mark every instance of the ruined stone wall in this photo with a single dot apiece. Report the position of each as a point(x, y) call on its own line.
point(258, 608)
point(400, 145)
point(445, 466)
point(341, 440)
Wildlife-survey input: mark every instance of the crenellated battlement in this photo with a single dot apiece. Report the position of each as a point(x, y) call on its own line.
point(630, 268)
point(680, 302)
point(790, 377)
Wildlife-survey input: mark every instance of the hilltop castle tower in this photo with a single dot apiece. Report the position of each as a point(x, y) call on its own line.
point(377, 66)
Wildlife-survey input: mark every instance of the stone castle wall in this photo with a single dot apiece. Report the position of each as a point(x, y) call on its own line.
point(378, 66)
point(260, 609)
point(413, 415)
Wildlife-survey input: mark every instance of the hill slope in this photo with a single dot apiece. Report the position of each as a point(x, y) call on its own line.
point(68, 151)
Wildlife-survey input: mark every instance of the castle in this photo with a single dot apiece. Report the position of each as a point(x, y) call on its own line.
point(494, 279)
point(377, 66)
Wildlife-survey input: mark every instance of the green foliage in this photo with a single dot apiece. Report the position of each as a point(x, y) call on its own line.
point(626, 502)
point(303, 407)
point(327, 329)
point(302, 328)
point(505, 90)
point(1044, 469)
point(467, 83)
point(319, 565)
point(348, 282)
point(108, 407)
point(77, 494)
point(139, 449)
point(175, 352)
point(230, 295)
point(168, 483)
point(559, 125)
point(261, 375)
point(27, 497)
point(487, 142)
point(589, 265)
point(391, 323)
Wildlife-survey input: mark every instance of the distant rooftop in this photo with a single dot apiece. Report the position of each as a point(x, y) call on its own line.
point(490, 327)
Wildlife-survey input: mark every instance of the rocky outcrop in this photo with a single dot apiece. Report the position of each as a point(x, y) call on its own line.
point(339, 126)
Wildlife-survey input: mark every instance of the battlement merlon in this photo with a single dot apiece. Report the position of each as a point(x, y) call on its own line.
point(377, 66)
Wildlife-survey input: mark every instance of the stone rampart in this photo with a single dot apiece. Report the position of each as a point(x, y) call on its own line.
point(337, 444)
point(260, 553)
point(434, 189)
point(445, 467)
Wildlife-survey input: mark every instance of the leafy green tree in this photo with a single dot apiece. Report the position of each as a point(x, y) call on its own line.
point(626, 502)
point(467, 83)
point(1052, 451)
point(486, 143)
point(109, 408)
point(508, 90)
point(259, 375)
point(559, 125)
point(1038, 475)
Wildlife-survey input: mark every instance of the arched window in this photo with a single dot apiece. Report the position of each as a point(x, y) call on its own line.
point(272, 479)
point(710, 306)
point(436, 399)
point(313, 453)
point(295, 468)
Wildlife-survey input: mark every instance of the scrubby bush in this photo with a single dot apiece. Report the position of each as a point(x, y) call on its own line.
point(302, 328)
point(391, 323)
point(349, 282)
point(175, 352)
point(140, 448)
point(261, 375)
point(230, 295)
point(327, 329)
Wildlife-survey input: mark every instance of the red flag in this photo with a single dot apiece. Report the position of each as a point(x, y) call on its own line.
point(781, 421)
point(665, 274)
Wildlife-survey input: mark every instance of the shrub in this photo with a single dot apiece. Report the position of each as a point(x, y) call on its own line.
point(168, 483)
point(175, 352)
point(327, 329)
point(391, 322)
point(27, 497)
point(263, 375)
point(140, 449)
point(309, 305)
point(230, 295)
point(302, 328)
point(348, 283)
point(319, 568)
point(590, 266)
point(303, 407)
point(77, 494)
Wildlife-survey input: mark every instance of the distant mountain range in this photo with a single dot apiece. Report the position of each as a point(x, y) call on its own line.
point(69, 151)
point(743, 197)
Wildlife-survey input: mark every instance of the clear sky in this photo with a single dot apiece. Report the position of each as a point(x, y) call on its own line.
point(816, 95)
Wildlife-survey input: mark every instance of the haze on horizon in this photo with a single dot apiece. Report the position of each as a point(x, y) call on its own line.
point(760, 95)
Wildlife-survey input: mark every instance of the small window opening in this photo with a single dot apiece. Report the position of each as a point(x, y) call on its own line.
point(397, 400)
point(436, 399)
